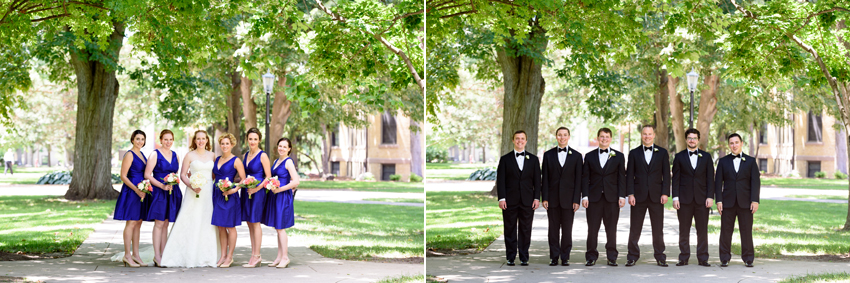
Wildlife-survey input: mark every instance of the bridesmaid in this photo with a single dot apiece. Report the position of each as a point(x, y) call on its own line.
point(132, 205)
point(227, 214)
point(257, 165)
point(165, 201)
point(279, 212)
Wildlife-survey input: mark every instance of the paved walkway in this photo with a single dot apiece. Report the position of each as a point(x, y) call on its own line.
point(489, 266)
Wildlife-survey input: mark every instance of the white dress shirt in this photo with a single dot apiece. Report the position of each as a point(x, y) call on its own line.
point(647, 154)
point(562, 155)
point(737, 162)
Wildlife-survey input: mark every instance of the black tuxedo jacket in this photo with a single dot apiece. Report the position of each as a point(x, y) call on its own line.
point(693, 185)
point(515, 186)
point(741, 187)
point(611, 179)
point(648, 182)
point(562, 185)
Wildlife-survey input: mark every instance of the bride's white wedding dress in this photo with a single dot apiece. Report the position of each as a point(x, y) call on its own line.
point(193, 240)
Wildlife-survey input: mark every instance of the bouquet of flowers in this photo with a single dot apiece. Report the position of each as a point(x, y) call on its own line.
point(248, 183)
point(171, 179)
point(225, 185)
point(272, 184)
point(197, 181)
point(145, 187)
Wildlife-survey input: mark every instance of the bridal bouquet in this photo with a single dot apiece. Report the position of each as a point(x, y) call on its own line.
point(249, 182)
point(272, 184)
point(171, 179)
point(197, 181)
point(225, 185)
point(145, 187)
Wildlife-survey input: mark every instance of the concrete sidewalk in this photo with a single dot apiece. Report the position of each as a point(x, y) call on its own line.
point(489, 265)
point(91, 263)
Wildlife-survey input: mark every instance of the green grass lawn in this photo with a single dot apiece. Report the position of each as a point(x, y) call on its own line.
point(379, 186)
point(408, 200)
point(361, 231)
point(818, 197)
point(38, 224)
point(452, 171)
point(806, 183)
point(404, 279)
point(462, 220)
point(819, 278)
point(783, 228)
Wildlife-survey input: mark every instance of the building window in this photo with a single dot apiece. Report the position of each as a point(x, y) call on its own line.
point(815, 128)
point(388, 128)
point(814, 166)
point(335, 135)
point(386, 171)
point(763, 164)
point(763, 134)
point(335, 168)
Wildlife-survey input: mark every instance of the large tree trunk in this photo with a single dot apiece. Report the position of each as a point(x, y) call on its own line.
point(326, 150)
point(249, 107)
point(707, 107)
point(97, 90)
point(524, 87)
point(281, 109)
point(234, 116)
point(677, 110)
point(416, 159)
point(662, 111)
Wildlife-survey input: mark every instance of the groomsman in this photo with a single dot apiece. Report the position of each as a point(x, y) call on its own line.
point(603, 194)
point(561, 195)
point(693, 193)
point(737, 191)
point(648, 186)
point(518, 184)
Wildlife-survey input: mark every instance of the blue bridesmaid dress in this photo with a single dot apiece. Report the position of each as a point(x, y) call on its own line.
point(252, 209)
point(164, 206)
point(279, 212)
point(225, 213)
point(129, 206)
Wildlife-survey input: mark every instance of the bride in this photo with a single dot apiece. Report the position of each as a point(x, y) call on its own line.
point(193, 241)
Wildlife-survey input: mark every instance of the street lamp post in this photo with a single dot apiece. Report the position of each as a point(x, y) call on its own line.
point(693, 79)
point(268, 85)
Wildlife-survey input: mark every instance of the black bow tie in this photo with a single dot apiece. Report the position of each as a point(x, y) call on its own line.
point(601, 151)
point(693, 152)
point(647, 148)
point(562, 149)
point(737, 155)
point(520, 153)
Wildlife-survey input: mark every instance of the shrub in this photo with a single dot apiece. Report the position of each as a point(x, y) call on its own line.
point(55, 178)
point(395, 177)
point(116, 179)
point(434, 155)
point(366, 176)
point(820, 174)
point(840, 176)
point(486, 174)
point(415, 178)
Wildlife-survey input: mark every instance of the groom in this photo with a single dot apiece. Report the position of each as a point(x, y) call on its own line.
point(518, 184)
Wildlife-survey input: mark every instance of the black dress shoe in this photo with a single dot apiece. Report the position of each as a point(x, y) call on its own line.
point(554, 262)
point(523, 263)
point(630, 262)
point(704, 263)
point(749, 264)
point(511, 263)
point(682, 263)
point(590, 263)
point(661, 263)
point(724, 263)
point(565, 262)
point(612, 262)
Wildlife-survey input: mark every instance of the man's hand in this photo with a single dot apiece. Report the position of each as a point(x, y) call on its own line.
point(754, 207)
point(546, 204)
point(575, 207)
point(631, 200)
point(535, 205)
point(664, 199)
point(622, 202)
point(676, 204)
point(708, 202)
point(584, 203)
point(720, 208)
point(503, 205)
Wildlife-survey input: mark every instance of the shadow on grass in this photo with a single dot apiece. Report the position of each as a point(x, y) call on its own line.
point(462, 220)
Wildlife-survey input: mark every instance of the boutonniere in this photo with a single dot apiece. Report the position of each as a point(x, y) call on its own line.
point(655, 149)
point(743, 159)
point(526, 157)
point(612, 153)
point(699, 154)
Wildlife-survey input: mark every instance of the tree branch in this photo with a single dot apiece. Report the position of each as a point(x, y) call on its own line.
point(48, 18)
